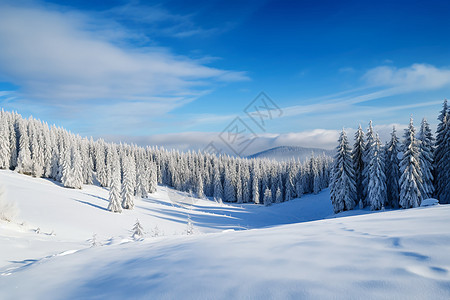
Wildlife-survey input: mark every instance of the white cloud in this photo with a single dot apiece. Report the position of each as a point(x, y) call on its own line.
point(60, 55)
point(317, 138)
point(413, 78)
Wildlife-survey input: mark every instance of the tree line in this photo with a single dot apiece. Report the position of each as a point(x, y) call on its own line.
point(396, 174)
point(32, 147)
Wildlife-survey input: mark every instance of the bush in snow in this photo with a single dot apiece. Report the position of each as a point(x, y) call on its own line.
point(93, 241)
point(8, 209)
point(189, 227)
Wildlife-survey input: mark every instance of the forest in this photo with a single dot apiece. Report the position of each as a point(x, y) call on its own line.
point(397, 174)
point(32, 147)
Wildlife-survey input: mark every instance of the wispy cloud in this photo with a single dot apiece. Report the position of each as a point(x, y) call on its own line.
point(58, 55)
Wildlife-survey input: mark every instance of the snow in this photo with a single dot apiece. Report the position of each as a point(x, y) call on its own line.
point(429, 202)
point(292, 250)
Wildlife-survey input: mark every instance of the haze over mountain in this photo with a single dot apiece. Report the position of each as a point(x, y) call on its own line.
point(285, 153)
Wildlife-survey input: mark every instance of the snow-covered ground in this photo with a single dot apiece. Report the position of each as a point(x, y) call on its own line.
point(403, 254)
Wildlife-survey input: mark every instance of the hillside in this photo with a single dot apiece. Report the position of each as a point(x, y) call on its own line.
point(394, 254)
point(286, 153)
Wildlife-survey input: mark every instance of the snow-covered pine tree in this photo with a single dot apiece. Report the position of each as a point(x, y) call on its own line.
point(267, 197)
point(442, 156)
point(228, 188)
point(141, 181)
point(199, 184)
point(138, 231)
point(411, 178)
point(100, 164)
point(115, 187)
point(77, 167)
point(67, 174)
point(37, 153)
point(88, 166)
point(12, 141)
point(392, 170)
point(426, 159)
point(316, 177)
point(127, 184)
point(370, 138)
point(358, 162)
point(153, 181)
point(299, 183)
point(342, 187)
point(377, 179)
point(246, 185)
point(5, 147)
point(255, 188)
point(24, 163)
point(289, 185)
point(218, 190)
point(278, 196)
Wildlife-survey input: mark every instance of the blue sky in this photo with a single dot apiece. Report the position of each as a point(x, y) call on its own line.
point(176, 73)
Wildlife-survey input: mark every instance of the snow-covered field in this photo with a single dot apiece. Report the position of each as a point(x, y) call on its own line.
point(402, 254)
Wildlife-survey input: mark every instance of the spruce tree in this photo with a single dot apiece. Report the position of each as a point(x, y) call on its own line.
point(278, 196)
point(255, 189)
point(127, 184)
point(138, 231)
point(228, 188)
point(426, 159)
point(24, 163)
point(358, 162)
point(153, 183)
point(377, 179)
point(411, 175)
point(5, 148)
point(442, 159)
point(218, 189)
point(367, 152)
point(115, 187)
point(342, 188)
point(267, 197)
point(392, 170)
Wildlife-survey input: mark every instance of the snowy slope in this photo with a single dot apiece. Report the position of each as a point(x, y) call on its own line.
point(286, 153)
point(401, 254)
point(73, 216)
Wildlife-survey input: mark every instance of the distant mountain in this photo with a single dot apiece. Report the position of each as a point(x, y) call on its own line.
point(285, 153)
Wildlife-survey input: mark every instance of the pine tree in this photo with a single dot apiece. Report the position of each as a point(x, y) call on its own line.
point(12, 142)
point(228, 188)
point(442, 156)
point(138, 231)
point(115, 187)
point(218, 190)
point(411, 178)
point(392, 170)
point(153, 183)
point(5, 147)
point(141, 182)
point(199, 185)
point(267, 197)
point(358, 162)
point(426, 159)
point(24, 163)
point(278, 196)
point(342, 187)
point(127, 184)
point(377, 179)
point(67, 175)
point(255, 189)
point(366, 158)
point(77, 168)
